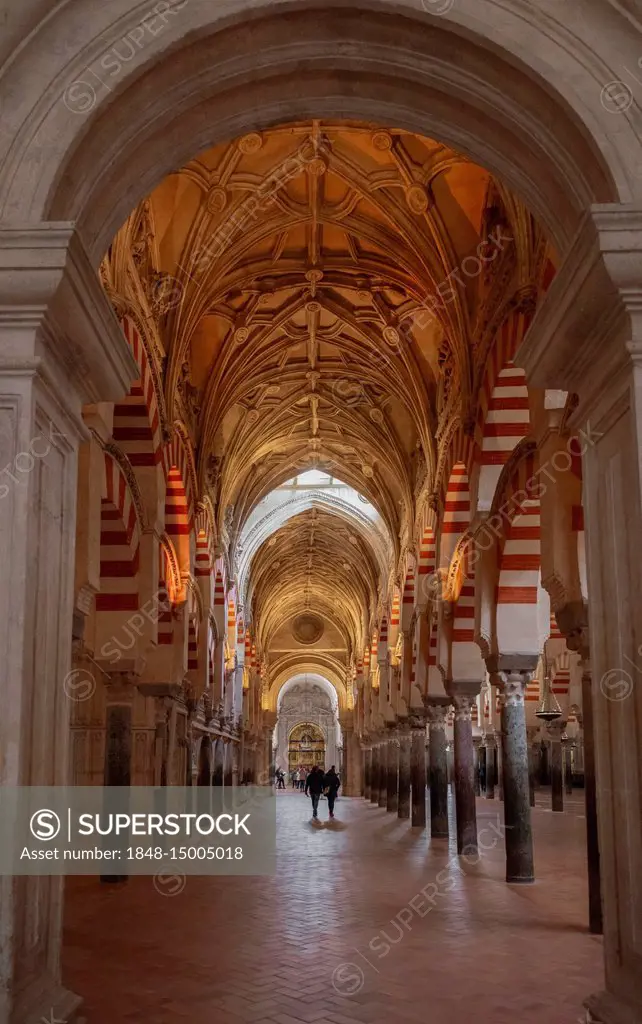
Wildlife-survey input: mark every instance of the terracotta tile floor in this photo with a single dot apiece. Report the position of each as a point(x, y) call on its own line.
point(343, 934)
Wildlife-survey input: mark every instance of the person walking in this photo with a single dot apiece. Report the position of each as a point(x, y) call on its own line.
point(331, 783)
point(303, 776)
point(280, 779)
point(314, 786)
point(295, 779)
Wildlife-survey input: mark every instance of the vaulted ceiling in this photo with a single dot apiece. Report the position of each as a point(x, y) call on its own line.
point(296, 278)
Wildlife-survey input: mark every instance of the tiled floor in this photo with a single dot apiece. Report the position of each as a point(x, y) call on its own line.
point(343, 934)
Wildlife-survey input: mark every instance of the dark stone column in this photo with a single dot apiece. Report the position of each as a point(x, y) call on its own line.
point(383, 774)
point(403, 809)
point(499, 752)
point(481, 753)
point(517, 810)
point(437, 709)
point(476, 764)
point(567, 757)
point(374, 773)
point(367, 772)
point(531, 732)
point(465, 775)
point(418, 770)
point(592, 844)
point(118, 757)
point(490, 747)
point(555, 731)
point(392, 775)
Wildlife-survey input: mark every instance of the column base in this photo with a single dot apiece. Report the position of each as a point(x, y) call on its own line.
point(603, 1008)
point(47, 1001)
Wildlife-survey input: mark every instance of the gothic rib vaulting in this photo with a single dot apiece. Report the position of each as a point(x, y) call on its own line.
point(324, 316)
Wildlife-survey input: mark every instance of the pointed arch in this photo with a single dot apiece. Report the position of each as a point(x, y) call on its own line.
point(456, 517)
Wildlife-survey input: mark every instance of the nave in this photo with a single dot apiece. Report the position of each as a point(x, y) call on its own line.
point(342, 933)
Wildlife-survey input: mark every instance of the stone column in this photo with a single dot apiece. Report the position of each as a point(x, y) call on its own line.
point(418, 769)
point(465, 775)
point(351, 774)
point(531, 734)
point(556, 731)
point(483, 771)
point(517, 811)
point(500, 751)
point(404, 738)
point(60, 347)
point(383, 774)
point(367, 772)
point(567, 759)
point(476, 764)
point(376, 762)
point(437, 710)
point(490, 746)
point(392, 775)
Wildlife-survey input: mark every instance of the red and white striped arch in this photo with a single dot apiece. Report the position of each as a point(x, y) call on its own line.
point(167, 594)
point(179, 501)
point(137, 426)
point(519, 571)
point(119, 542)
point(503, 417)
point(456, 512)
point(409, 598)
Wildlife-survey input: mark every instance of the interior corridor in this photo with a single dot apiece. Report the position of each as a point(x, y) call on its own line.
point(309, 945)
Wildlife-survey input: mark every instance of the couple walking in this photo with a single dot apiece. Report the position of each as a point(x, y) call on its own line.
point(317, 783)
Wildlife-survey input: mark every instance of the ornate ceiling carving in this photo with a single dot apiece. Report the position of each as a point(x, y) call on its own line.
point(323, 295)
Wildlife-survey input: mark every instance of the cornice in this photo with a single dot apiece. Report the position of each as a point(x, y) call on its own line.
point(47, 281)
point(578, 338)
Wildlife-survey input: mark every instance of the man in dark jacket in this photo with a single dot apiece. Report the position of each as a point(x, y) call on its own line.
point(331, 783)
point(314, 786)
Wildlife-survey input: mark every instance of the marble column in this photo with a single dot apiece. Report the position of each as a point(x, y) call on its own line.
point(383, 774)
point(376, 761)
point(531, 734)
point(499, 753)
point(367, 772)
point(517, 811)
point(556, 731)
point(418, 769)
point(404, 739)
point(392, 775)
point(476, 764)
point(437, 711)
point(491, 747)
point(483, 771)
point(567, 759)
point(466, 813)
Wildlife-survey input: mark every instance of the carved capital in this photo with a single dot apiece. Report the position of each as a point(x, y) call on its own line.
point(437, 711)
point(513, 687)
point(463, 705)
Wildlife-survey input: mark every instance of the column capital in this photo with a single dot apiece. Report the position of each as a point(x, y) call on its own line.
point(437, 711)
point(463, 705)
point(417, 719)
point(513, 687)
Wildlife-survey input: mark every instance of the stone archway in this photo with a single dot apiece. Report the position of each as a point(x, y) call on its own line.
point(514, 88)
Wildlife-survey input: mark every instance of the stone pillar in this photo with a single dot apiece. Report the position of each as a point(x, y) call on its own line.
point(351, 774)
point(404, 739)
point(499, 752)
point(490, 746)
point(367, 772)
point(517, 811)
point(465, 775)
point(531, 734)
point(392, 774)
point(383, 774)
point(483, 771)
point(476, 764)
point(418, 769)
point(437, 710)
point(555, 731)
point(60, 347)
point(376, 767)
point(567, 759)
